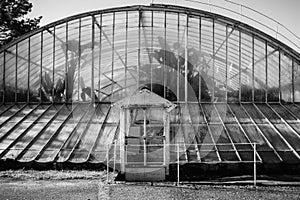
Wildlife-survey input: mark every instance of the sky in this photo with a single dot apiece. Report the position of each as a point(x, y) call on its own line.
point(284, 11)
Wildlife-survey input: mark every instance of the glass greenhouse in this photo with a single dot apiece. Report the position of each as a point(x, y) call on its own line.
point(230, 85)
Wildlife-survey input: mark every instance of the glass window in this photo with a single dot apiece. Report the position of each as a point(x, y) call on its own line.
point(246, 68)
point(273, 74)
point(296, 81)
point(286, 73)
point(259, 71)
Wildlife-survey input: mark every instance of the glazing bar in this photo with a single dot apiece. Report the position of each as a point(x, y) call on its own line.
point(262, 134)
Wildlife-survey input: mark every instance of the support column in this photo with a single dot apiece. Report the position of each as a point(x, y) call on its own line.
point(122, 139)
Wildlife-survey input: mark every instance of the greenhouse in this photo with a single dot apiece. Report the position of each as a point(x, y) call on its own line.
point(140, 84)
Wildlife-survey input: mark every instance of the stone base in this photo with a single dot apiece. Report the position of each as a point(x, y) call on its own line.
point(145, 174)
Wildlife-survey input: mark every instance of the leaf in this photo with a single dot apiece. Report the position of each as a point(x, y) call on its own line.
point(12, 19)
point(60, 87)
point(48, 80)
point(82, 82)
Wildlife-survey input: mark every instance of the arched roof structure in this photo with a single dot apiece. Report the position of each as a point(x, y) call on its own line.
point(232, 82)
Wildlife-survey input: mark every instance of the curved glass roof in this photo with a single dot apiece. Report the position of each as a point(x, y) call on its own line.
point(111, 53)
point(232, 83)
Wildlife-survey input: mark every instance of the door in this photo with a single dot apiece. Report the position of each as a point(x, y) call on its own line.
point(146, 137)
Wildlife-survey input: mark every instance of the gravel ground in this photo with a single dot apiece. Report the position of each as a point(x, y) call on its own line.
point(34, 190)
point(83, 185)
point(202, 192)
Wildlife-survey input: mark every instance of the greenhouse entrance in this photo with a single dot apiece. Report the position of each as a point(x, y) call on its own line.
point(145, 128)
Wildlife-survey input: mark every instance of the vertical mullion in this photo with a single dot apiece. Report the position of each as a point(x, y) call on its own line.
point(279, 65)
point(165, 76)
point(41, 67)
point(28, 72)
point(178, 51)
point(240, 66)
point(293, 81)
point(53, 66)
point(126, 53)
point(93, 60)
point(112, 56)
point(226, 68)
point(252, 68)
point(79, 59)
point(186, 59)
point(151, 69)
point(3, 78)
point(213, 57)
point(144, 136)
point(199, 70)
point(100, 52)
point(66, 64)
point(16, 74)
point(266, 64)
point(139, 50)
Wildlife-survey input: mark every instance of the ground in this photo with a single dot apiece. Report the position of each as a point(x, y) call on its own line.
point(91, 185)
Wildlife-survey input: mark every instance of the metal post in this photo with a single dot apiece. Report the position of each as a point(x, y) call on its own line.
point(178, 175)
point(186, 60)
point(254, 164)
point(115, 149)
point(145, 134)
point(93, 61)
point(28, 72)
point(107, 163)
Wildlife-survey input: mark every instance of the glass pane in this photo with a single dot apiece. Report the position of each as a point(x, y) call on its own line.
point(273, 138)
point(82, 151)
point(206, 61)
point(10, 74)
point(286, 78)
point(60, 63)
point(211, 113)
point(273, 75)
point(48, 54)
point(289, 135)
point(106, 136)
point(220, 65)
point(225, 113)
point(86, 59)
point(246, 68)
point(269, 113)
point(240, 113)
point(35, 68)
point(233, 66)
point(1, 76)
point(259, 71)
point(254, 113)
point(296, 81)
point(22, 71)
point(284, 113)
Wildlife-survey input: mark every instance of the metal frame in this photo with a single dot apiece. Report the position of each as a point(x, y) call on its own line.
point(82, 134)
point(25, 131)
point(78, 123)
point(19, 156)
point(98, 135)
point(166, 9)
point(54, 135)
point(243, 131)
point(17, 123)
point(28, 72)
point(227, 134)
point(13, 115)
point(276, 130)
point(210, 133)
point(182, 13)
point(262, 134)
